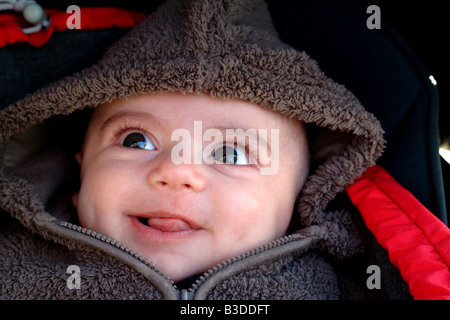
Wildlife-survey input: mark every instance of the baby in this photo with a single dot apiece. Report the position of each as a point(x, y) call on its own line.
point(187, 217)
point(196, 152)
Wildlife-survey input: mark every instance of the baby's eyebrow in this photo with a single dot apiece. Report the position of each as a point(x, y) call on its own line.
point(252, 134)
point(141, 117)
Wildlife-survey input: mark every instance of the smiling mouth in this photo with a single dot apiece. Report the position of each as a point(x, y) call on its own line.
point(163, 228)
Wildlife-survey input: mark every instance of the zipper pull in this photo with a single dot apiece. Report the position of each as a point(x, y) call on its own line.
point(186, 294)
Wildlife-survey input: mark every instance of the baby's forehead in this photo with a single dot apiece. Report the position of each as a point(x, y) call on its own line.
point(176, 109)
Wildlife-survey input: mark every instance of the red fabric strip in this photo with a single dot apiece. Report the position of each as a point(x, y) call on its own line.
point(91, 18)
point(417, 242)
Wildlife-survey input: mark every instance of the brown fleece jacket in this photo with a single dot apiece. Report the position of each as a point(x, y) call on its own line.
point(230, 50)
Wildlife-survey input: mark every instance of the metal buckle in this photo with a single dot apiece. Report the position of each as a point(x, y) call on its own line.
point(31, 11)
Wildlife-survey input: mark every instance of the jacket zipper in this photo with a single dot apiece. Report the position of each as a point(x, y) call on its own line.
point(214, 270)
point(113, 243)
point(183, 294)
point(105, 240)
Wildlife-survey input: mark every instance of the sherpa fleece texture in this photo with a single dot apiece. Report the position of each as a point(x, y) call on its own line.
point(230, 50)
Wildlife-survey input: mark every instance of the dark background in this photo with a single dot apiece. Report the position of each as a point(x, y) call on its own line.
point(424, 25)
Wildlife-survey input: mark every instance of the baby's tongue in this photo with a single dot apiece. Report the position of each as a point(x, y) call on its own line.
point(168, 224)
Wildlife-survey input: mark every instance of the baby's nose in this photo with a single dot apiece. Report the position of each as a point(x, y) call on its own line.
point(168, 175)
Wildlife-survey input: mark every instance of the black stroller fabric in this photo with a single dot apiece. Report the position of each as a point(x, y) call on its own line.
point(385, 74)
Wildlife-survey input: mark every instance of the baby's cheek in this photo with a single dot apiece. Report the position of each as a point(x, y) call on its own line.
point(103, 181)
point(246, 220)
point(85, 210)
point(96, 195)
point(98, 214)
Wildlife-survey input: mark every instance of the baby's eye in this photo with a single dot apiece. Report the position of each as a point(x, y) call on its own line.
point(138, 140)
point(229, 155)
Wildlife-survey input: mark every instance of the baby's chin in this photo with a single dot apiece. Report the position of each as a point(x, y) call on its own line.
point(178, 267)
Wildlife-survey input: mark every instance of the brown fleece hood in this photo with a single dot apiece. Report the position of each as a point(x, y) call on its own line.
point(220, 48)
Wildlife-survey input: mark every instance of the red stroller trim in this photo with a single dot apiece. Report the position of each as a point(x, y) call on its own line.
point(91, 18)
point(418, 243)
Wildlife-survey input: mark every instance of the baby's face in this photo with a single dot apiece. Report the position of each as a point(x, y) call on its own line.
point(187, 216)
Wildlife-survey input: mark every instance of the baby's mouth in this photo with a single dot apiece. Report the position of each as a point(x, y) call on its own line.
point(166, 224)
